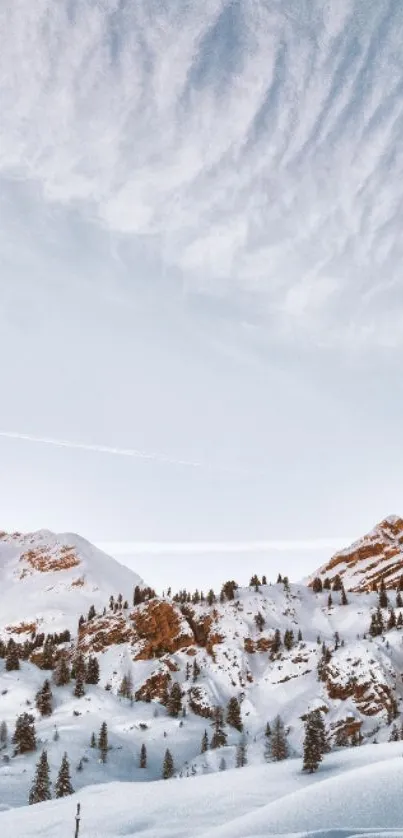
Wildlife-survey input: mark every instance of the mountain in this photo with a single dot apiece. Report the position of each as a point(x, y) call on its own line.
point(278, 648)
point(377, 555)
point(48, 580)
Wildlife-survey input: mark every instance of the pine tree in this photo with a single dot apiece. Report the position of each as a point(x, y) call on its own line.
point(288, 639)
point(299, 636)
point(329, 601)
point(317, 585)
point(383, 597)
point(211, 597)
point(399, 623)
point(278, 741)
point(168, 767)
point(196, 670)
point(326, 584)
point(103, 742)
point(204, 743)
point(241, 754)
point(343, 600)
point(337, 583)
point(219, 738)
point(92, 673)
point(93, 740)
point(260, 621)
point(399, 600)
point(24, 737)
point(143, 757)
point(276, 642)
point(61, 674)
point(63, 786)
point(43, 699)
point(12, 660)
point(91, 613)
point(48, 656)
point(264, 580)
point(40, 789)
point(392, 620)
point(79, 690)
point(267, 731)
point(174, 703)
point(126, 686)
point(312, 745)
point(234, 717)
point(3, 735)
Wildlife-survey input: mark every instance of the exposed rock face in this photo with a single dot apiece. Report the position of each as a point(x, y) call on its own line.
point(377, 555)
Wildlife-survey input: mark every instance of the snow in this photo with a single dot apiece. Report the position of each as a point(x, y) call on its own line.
point(357, 791)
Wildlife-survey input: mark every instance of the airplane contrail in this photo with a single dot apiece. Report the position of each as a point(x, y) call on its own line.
point(152, 456)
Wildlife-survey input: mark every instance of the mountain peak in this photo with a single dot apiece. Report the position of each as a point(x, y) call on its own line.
point(377, 555)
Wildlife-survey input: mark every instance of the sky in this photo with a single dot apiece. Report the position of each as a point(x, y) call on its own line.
point(201, 300)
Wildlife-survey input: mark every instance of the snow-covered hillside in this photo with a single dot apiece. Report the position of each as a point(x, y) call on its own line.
point(357, 792)
point(48, 580)
point(277, 648)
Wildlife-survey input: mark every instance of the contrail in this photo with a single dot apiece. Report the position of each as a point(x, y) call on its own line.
point(152, 456)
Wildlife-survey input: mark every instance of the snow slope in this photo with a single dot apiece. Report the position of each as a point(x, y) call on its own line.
point(358, 789)
point(50, 579)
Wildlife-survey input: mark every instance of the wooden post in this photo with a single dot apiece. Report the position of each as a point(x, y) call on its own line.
point(77, 820)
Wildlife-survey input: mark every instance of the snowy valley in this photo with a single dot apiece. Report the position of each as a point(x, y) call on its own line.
point(117, 677)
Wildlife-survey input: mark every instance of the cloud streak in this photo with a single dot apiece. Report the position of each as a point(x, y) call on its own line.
point(133, 453)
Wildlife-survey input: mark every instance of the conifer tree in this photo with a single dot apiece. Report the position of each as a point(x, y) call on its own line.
point(211, 597)
point(299, 636)
point(219, 738)
point(329, 601)
point(91, 613)
point(93, 740)
point(40, 789)
point(12, 660)
point(61, 674)
point(278, 741)
point(79, 690)
point(337, 583)
point(204, 743)
point(312, 744)
point(103, 742)
point(279, 579)
point(63, 786)
point(3, 735)
point(174, 703)
point(196, 670)
point(241, 754)
point(391, 620)
point(264, 580)
point(24, 737)
point(326, 584)
point(343, 600)
point(267, 731)
point(143, 757)
point(126, 686)
point(48, 657)
point(44, 698)
point(92, 673)
point(288, 639)
point(399, 600)
point(168, 767)
point(260, 621)
point(276, 642)
point(399, 622)
point(317, 585)
point(383, 597)
point(234, 717)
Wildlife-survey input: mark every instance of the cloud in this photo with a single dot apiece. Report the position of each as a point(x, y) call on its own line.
point(126, 548)
point(255, 145)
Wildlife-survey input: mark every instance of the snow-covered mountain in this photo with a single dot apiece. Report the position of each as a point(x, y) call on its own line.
point(48, 580)
point(377, 555)
point(278, 648)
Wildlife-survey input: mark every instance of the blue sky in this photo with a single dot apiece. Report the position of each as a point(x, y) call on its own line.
point(200, 261)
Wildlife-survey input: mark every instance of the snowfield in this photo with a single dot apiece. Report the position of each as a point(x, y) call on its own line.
point(357, 791)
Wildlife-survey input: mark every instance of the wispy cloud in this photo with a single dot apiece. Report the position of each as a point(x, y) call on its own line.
point(256, 145)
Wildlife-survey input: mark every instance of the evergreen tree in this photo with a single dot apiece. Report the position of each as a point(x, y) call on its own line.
point(211, 597)
point(79, 669)
point(234, 717)
point(264, 580)
point(92, 673)
point(219, 738)
point(278, 741)
point(299, 636)
point(317, 585)
point(326, 584)
point(276, 642)
point(168, 767)
point(313, 753)
point(91, 612)
point(267, 731)
point(383, 597)
point(260, 621)
point(204, 743)
point(343, 600)
point(394, 734)
point(196, 670)
point(61, 675)
point(143, 757)
point(79, 690)
point(279, 579)
point(3, 735)
point(63, 786)
point(288, 639)
point(255, 582)
point(392, 620)
point(241, 754)
point(40, 789)
point(12, 660)
point(174, 703)
point(24, 737)
point(337, 583)
point(93, 740)
point(126, 686)
point(43, 699)
point(399, 623)
point(48, 656)
point(399, 600)
point(329, 601)
point(103, 742)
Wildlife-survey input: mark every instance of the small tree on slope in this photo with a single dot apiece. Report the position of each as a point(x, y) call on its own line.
point(234, 717)
point(313, 743)
point(63, 786)
point(278, 741)
point(143, 757)
point(40, 790)
point(43, 699)
point(103, 742)
point(24, 737)
point(168, 767)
